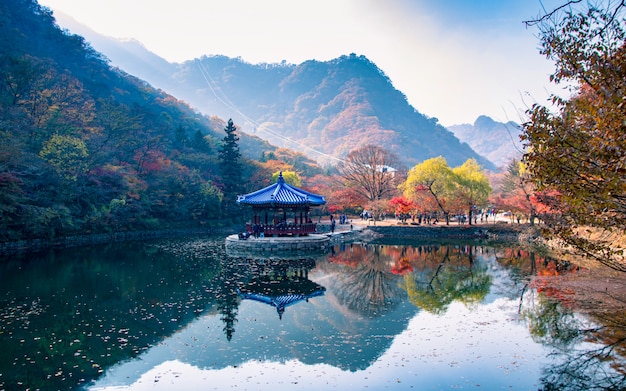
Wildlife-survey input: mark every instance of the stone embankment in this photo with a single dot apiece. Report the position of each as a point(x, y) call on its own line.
point(500, 231)
point(311, 242)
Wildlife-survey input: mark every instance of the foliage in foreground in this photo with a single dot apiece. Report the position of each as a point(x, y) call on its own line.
point(577, 156)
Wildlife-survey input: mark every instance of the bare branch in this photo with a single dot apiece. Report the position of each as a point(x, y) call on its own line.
point(548, 15)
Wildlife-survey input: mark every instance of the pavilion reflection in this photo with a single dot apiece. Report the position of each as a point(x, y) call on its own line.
point(280, 283)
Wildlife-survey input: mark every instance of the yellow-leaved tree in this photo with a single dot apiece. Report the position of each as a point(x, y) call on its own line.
point(472, 186)
point(290, 177)
point(466, 185)
point(433, 177)
point(67, 154)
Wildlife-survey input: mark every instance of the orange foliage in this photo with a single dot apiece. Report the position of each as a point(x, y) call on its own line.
point(152, 160)
point(543, 201)
point(345, 199)
point(402, 266)
point(402, 205)
point(424, 202)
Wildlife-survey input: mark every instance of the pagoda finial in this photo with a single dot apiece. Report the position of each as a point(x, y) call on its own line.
point(280, 177)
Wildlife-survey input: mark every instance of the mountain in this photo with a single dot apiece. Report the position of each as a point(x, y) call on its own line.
point(499, 142)
point(323, 109)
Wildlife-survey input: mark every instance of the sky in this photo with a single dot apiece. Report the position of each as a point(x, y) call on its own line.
point(453, 59)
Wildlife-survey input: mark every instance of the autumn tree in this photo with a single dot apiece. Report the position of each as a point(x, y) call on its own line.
point(434, 177)
point(472, 185)
point(576, 151)
point(66, 154)
point(372, 171)
point(517, 191)
point(290, 177)
point(403, 207)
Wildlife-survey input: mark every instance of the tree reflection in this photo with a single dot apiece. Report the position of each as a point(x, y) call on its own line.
point(589, 350)
point(447, 275)
point(587, 338)
point(367, 285)
point(227, 300)
point(433, 276)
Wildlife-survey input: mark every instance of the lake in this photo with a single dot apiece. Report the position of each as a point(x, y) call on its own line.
point(185, 314)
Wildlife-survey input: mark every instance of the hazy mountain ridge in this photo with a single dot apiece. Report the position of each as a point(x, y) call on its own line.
point(137, 57)
point(499, 142)
point(324, 109)
point(330, 107)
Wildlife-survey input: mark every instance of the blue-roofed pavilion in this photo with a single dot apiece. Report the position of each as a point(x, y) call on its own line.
point(281, 209)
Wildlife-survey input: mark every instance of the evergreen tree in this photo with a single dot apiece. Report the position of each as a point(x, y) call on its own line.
point(230, 164)
point(200, 143)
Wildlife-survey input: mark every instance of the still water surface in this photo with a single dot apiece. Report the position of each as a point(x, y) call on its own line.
point(184, 314)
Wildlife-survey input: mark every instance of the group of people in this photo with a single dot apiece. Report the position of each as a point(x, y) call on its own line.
point(343, 219)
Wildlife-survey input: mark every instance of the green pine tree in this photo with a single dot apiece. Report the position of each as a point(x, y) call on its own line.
point(200, 143)
point(230, 165)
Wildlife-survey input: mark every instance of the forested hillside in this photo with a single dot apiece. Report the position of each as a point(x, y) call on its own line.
point(324, 109)
point(87, 148)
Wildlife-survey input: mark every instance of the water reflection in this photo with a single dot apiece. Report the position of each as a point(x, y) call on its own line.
point(363, 280)
point(68, 315)
point(586, 334)
point(431, 315)
point(280, 283)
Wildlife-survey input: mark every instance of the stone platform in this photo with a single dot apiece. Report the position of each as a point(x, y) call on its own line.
point(311, 242)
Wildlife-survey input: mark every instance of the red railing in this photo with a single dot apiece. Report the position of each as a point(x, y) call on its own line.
point(284, 230)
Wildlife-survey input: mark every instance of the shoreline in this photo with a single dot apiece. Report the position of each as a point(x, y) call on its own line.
point(498, 231)
point(343, 232)
point(31, 246)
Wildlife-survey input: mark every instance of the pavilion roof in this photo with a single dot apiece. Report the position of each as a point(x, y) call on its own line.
point(281, 194)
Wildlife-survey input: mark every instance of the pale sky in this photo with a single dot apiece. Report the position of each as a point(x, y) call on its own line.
point(453, 59)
